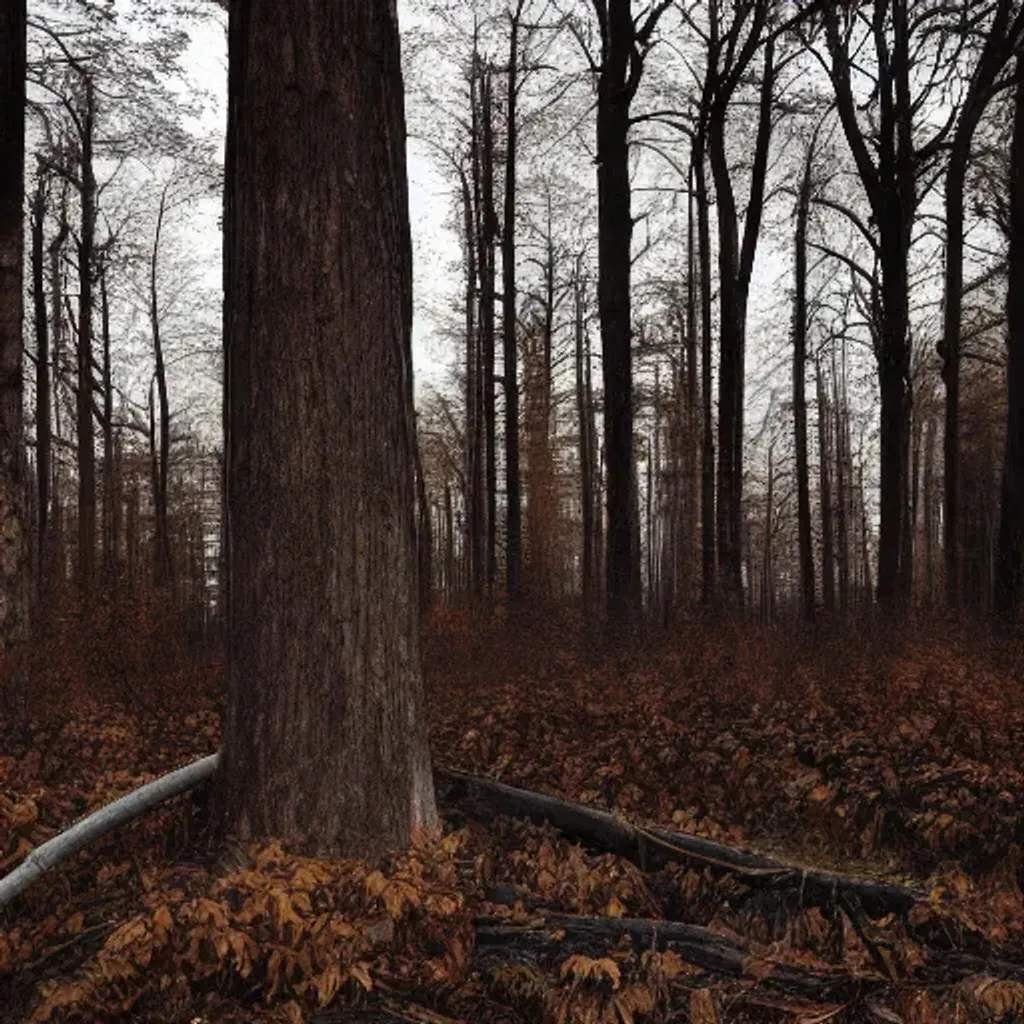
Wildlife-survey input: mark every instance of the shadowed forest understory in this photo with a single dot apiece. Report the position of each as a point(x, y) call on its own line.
point(864, 754)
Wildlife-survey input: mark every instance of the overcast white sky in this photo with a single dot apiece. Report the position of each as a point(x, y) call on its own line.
point(429, 198)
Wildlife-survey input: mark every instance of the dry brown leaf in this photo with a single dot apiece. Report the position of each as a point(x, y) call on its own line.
point(702, 1007)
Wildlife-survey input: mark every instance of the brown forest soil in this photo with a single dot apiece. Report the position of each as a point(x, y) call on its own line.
point(862, 752)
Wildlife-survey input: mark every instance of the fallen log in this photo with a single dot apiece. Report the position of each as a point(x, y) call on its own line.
point(99, 823)
point(562, 935)
point(652, 847)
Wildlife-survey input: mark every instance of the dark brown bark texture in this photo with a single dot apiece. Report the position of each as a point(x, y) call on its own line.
point(324, 732)
point(12, 157)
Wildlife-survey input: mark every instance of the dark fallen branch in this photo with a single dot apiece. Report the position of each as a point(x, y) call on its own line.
point(560, 936)
point(653, 848)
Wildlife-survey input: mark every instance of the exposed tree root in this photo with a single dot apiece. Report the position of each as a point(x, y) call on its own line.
point(653, 848)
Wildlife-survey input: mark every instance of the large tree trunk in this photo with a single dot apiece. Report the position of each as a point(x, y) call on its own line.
point(803, 486)
point(13, 588)
point(615, 234)
point(1009, 582)
point(325, 733)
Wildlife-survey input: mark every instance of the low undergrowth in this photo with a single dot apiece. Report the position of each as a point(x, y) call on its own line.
point(865, 753)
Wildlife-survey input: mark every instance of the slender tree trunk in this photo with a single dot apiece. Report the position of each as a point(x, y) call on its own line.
point(736, 263)
point(803, 486)
point(586, 444)
point(109, 536)
point(84, 412)
point(929, 510)
point(707, 487)
point(513, 499)
point(449, 544)
point(1009, 576)
point(842, 459)
point(44, 435)
point(474, 552)
point(956, 176)
point(828, 569)
point(691, 461)
point(424, 536)
point(14, 561)
point(488, 239)
point(325, 734)
point(163, 564)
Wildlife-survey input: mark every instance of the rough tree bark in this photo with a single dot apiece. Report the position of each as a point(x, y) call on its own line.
point(13, 590)
point(324, 733)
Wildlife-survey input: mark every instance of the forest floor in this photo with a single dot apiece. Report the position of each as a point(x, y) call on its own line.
point(880, 756)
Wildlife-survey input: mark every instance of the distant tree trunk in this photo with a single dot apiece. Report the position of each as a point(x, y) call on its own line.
point(449, 543)
point(325, 734)
point(55, 568)
point(691, 460)
point(865, 537)
point(803, 486)
point(887, 166)
point(1002, 38)
point(929, 510)
point(488, 236)
point(842, 460)
point(586, 444)
point(735, 265)
point(828, 569)
point(44, 433)
point(424, 536)
point(109, 534)
point(768, 569)
point(164, 565)
point(1009, 581)
point(13, 563)
point(707, 486)
point(83, 405)
point(513, 500)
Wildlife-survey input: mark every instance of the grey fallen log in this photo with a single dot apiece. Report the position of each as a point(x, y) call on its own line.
point(100, 822)
point(652, 847)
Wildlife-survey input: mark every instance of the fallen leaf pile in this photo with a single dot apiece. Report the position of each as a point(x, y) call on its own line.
point(899, 760)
